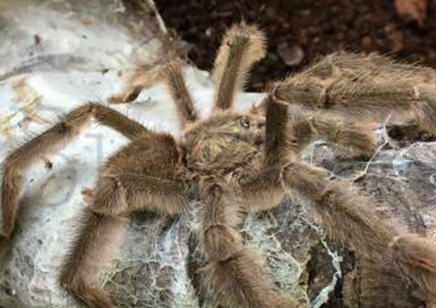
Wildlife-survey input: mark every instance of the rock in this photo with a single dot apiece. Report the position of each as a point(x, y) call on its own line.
point(401, 181)
point(292, 55)
point(412, 10)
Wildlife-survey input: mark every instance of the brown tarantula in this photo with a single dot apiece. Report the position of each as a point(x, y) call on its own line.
point(238, 161)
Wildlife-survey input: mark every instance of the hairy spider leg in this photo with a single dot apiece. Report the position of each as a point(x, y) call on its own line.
point(236, 273)
point(180, 93)
point(141, 176)
point(173, 75)
point(369, 88)
point(242, 46)
point(346, 214)
point(49, 142)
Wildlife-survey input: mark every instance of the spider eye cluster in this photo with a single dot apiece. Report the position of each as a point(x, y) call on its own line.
point(245, 122)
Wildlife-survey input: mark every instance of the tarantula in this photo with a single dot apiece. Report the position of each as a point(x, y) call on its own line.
point(238, 161)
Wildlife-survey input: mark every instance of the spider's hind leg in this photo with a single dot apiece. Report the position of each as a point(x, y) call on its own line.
point(346, 213)
point(348, 218)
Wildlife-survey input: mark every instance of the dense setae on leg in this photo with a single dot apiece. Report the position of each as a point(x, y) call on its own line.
point(303, 127)
point(346, 214)
point(357, 140)
point(49, 142)
point(141, 176)
point(177, 86)
point(142, 78)
point(348, 217)
point(172, 73)
point(98, 234)
point(242, 46)
point(365, 88)
point(416, 257)
point(236, 273)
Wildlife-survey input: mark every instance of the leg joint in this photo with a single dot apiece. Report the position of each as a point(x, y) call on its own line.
point(221, 242)
point(110, 197)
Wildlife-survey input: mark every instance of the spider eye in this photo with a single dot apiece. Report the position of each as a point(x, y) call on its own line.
point(245, 123)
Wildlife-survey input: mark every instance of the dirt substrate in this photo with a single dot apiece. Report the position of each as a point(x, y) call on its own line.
point(299, 31)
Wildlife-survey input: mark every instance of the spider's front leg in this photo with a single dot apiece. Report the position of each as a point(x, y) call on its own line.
point(236, 273)
point(353, 140)
point(141, 176)
point(172, 73)
point(291, 129)
point(346, 214)
point(49, 142)
point(369, 89)
point(242, 46)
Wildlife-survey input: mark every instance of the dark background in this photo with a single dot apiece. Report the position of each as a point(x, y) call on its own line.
point(301, 30)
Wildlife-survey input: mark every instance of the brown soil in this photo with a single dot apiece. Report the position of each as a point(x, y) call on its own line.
point(299, 31)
